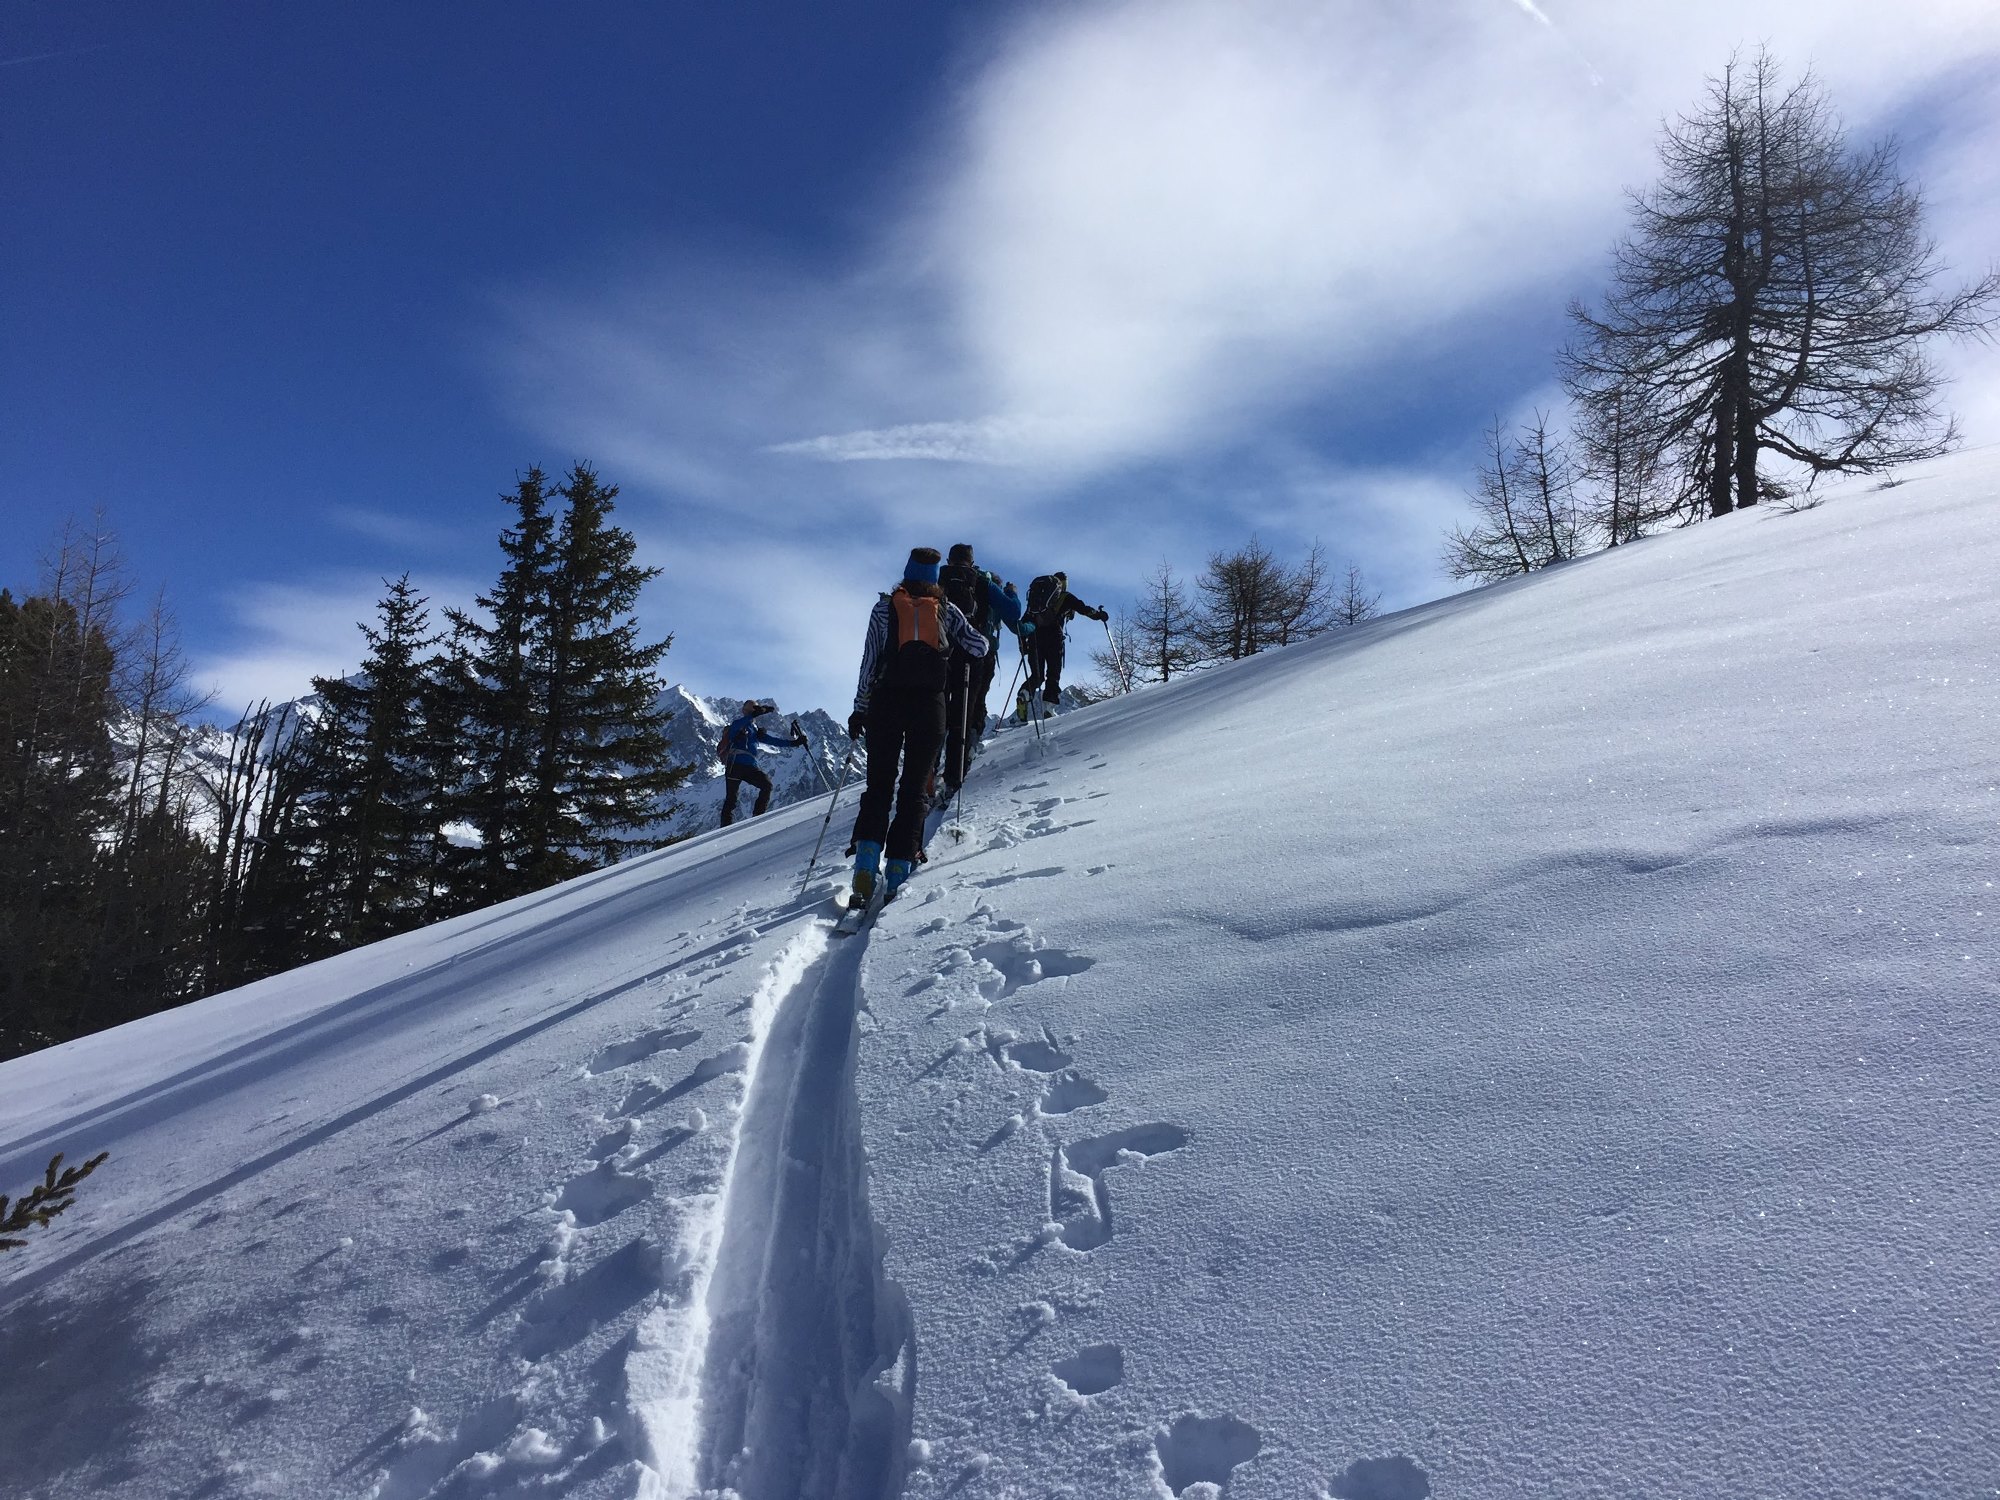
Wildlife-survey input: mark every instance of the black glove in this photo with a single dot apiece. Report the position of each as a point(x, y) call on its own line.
point(799, 740)
point(856, 723)
point(1102, 616)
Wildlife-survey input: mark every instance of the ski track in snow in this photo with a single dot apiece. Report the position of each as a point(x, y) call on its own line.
point(769, 1358)
point(760, 1374)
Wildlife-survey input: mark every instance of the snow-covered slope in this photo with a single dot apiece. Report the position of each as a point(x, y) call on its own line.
point(1541, 1043)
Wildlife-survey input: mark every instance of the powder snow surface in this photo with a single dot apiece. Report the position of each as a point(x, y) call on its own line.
point(1541, 1043)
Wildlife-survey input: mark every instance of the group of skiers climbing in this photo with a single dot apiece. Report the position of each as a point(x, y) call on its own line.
point(920, 704)
point(927, 666)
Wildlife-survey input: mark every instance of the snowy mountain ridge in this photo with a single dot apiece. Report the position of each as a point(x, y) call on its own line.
point(693, 733)
point(696, 729)
point(1537, 1043)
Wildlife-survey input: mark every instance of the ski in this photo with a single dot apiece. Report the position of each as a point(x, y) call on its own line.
point(857, 917)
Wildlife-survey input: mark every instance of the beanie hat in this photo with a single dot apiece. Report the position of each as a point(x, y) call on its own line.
point(922, 566)
point(961, 552)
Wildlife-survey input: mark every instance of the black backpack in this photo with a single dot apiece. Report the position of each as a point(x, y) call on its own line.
point(965, 586)
point(1044, 594)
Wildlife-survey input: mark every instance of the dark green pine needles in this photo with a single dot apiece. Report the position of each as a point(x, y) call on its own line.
point(49, 1197)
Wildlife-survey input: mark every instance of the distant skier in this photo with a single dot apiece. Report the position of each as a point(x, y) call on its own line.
point(899, 712)
point(737, 750)
point(1051, 606)
point(988, 604)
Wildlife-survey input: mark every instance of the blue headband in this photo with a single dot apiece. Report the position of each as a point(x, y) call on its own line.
point(920, 572)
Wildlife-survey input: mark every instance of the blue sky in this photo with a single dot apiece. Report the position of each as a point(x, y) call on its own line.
point(292, 292)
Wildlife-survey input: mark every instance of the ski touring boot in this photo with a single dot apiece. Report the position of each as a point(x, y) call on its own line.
point(867, 893)
point(867, 862)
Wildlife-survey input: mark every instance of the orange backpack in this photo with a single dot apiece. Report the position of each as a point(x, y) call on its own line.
point(919, 651)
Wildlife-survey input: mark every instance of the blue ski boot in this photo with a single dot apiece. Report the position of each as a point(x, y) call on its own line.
point(867, 860)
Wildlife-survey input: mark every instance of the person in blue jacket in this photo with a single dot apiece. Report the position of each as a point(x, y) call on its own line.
point(989, 605)
point(737, 749)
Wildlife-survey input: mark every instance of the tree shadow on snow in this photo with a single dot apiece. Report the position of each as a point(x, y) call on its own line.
point(76, 1369)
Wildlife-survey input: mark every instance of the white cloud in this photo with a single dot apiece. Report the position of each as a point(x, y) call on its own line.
point(288, 633)
point(1167, 217)
point(992, 440)
point(397, 529)
point(1153, 235)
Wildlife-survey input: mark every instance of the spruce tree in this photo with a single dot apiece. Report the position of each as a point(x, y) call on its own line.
point(494, 670)
point(58, 795)
point(600, 770)
point(371, 810)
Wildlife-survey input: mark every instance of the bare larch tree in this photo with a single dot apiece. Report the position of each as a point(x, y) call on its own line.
point(1497, 544)
point(1250, 601)
point(1356, 601)
point(1774, 296)
point(1165, 628)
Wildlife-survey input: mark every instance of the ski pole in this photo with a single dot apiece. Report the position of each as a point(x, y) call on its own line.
point(964, 766)
point(1034, 698)
point(1117, 660)
point(826, 822)
point(958, 807)
point(812, 760)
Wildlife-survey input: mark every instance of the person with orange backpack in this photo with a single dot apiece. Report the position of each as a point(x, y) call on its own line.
point(899, 714)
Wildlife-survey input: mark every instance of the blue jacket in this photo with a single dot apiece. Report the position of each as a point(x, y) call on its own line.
point(1003, 607)
point(741, 738)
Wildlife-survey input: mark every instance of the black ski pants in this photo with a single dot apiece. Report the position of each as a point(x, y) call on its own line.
point(904, 730)
point(1045, 664)
point(964, 712)
point(737, 776)
point(982, 689)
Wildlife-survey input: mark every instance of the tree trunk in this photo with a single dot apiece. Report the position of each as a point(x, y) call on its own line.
point(1721, 480)
point(1746, 455)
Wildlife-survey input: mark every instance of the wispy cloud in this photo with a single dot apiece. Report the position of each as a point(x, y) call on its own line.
point(1155, 241)
point(288, 633)
point(990, 440)
point(406, 532)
